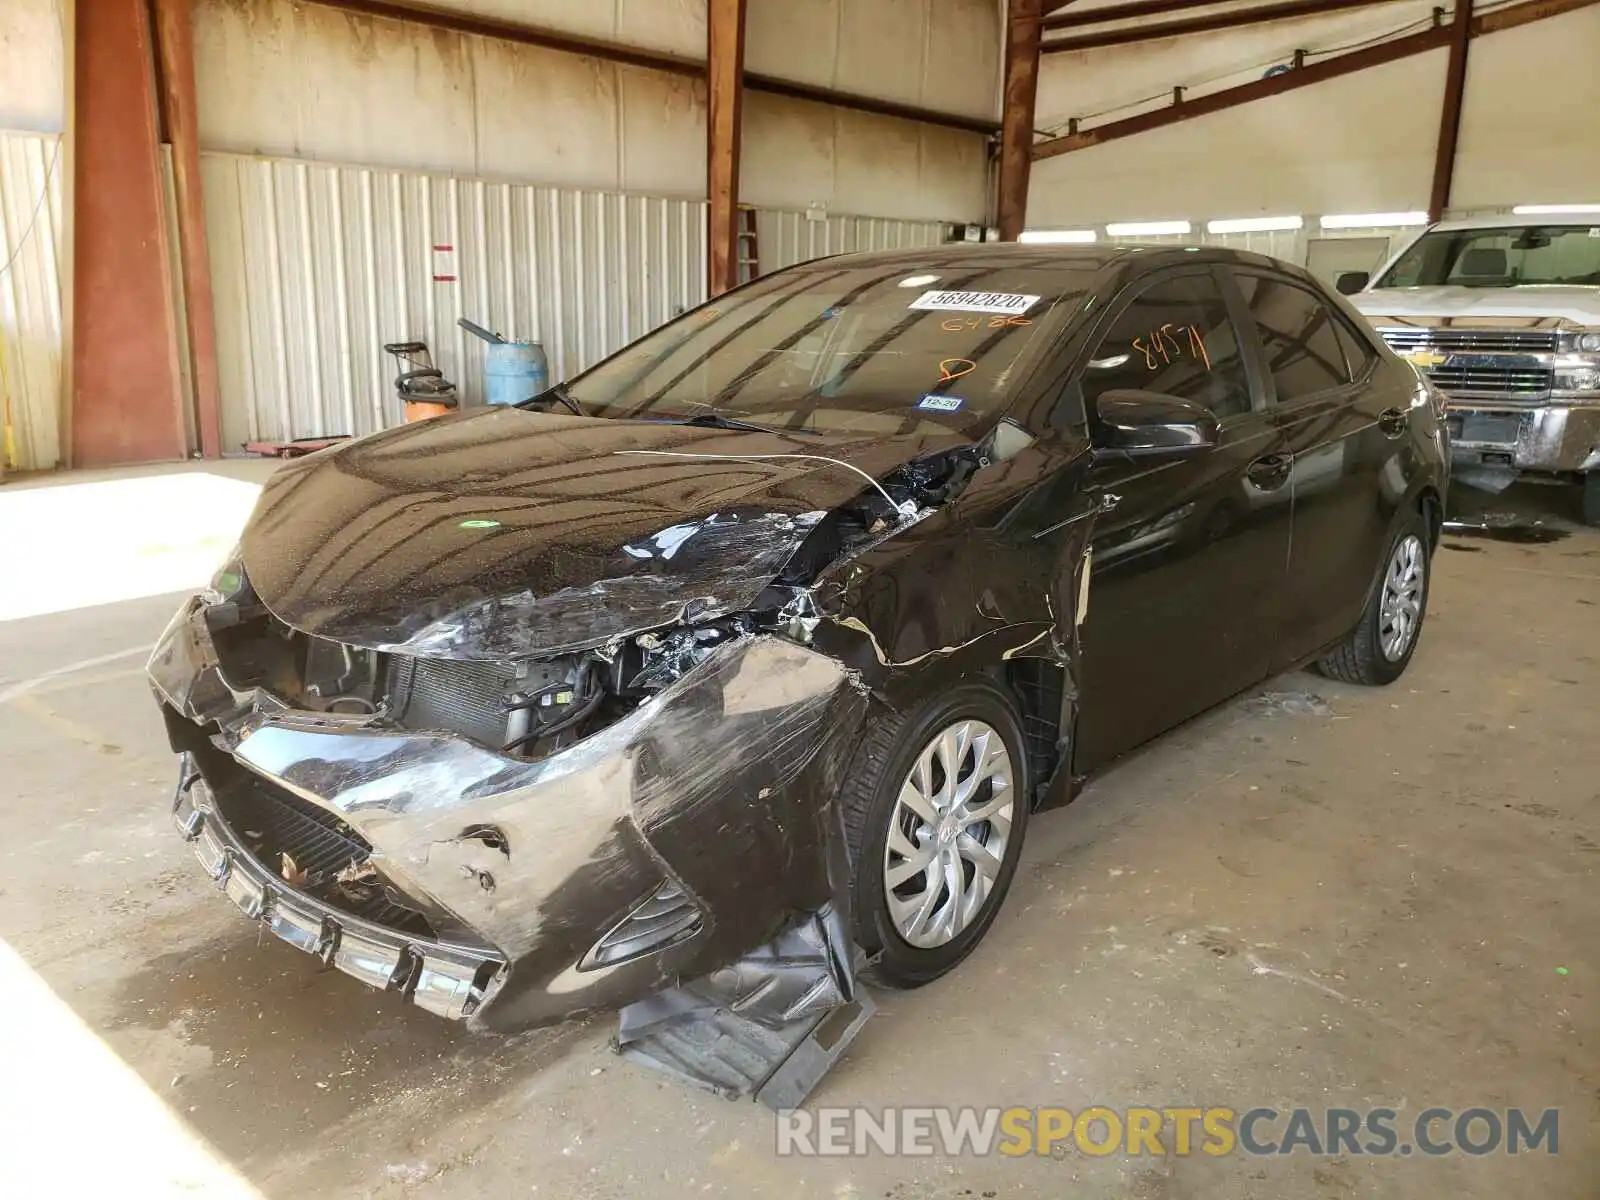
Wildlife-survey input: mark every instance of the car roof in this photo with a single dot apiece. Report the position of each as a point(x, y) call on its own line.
point(1000, 255)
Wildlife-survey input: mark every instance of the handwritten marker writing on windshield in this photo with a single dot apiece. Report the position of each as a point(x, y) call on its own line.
point(955, 368)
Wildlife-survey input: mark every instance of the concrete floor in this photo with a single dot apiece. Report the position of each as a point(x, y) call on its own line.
point(1357, 901)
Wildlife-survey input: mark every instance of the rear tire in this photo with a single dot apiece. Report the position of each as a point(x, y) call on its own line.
point(929, 878)
point(1379, 649)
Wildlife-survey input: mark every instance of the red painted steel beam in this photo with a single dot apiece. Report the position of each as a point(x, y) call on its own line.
point(1016, 115)
point(724, 105)
point(1455, 86)
point(1232, 18)
point(175, 42)
point(126, 398)
point(1331, 68)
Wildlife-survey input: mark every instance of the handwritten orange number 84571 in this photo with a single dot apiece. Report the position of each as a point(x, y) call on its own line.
point(1157, 354)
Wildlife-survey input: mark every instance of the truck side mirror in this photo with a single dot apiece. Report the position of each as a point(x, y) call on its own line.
point(1350, 282)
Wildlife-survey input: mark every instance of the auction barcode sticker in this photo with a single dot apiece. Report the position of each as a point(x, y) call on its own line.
point(1010, 304)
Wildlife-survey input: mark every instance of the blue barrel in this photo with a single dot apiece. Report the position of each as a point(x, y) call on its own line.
point(514, 372)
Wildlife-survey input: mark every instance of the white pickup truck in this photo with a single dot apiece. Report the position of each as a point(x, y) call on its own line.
point(1503, 317)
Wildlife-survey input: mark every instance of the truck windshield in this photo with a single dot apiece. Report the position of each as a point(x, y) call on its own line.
point(1517, 256)
point(836, 347)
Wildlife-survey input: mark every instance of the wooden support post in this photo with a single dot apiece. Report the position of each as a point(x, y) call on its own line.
point(175, 44)
point(1016, 117)
point(724, 102)
point(1455, 86)
point(126, 398)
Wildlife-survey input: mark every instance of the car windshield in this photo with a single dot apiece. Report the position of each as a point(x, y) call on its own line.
point(1509, 257)
point(837, 347)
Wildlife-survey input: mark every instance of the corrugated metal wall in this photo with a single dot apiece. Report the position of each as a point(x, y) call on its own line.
point(317, 266)
point(31, 263)
point(784, 238)
point(1287, 244)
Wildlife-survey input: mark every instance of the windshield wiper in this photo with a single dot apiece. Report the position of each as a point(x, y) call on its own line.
point(559, 391)
point(713, 420)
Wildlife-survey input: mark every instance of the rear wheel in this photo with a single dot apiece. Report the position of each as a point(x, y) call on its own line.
point(935, 810)
point(1381, 646)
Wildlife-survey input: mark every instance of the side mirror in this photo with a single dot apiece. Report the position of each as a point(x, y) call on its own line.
point(1350, 282)
point(1135, 424)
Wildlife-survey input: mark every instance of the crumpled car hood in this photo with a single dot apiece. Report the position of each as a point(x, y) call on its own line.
point(504, 532)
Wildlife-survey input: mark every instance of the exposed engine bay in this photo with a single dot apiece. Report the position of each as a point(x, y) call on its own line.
point(537, 706)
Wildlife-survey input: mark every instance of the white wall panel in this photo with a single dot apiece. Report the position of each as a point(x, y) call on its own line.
point(786, 238)
point(942, 54)
point(308, 82)
point(1362, 142)
point(671, 26)
point(32, 257)
point(32, 81)
point(1528, 117)
point(796, 153)
point(317, 266)
point(304, 81)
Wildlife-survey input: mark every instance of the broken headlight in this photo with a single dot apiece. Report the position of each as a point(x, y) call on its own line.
point(653, 661)
point(229, 582)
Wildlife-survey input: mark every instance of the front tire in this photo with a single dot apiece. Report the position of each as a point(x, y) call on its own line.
point(935, 809)
point(1381, 646)
point(1591, 498)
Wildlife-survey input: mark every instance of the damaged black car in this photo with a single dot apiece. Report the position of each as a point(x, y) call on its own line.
point(738, 664)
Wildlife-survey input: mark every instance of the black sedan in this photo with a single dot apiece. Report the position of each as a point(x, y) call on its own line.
point(740, 662)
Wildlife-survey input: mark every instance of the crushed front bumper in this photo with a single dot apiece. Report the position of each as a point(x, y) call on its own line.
point(448, 980)
point(544, 882)
point(1558, 437)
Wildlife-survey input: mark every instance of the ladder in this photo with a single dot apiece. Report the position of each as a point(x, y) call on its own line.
point(746, 252)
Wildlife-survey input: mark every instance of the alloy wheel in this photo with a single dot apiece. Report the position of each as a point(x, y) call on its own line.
point(948, 833)
point(1401, 609)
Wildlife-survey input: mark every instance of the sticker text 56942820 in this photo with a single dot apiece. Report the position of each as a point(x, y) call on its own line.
point(1005, 304)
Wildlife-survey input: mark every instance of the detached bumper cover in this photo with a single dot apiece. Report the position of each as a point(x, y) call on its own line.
point(718, 791)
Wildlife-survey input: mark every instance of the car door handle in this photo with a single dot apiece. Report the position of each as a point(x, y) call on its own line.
point(1394, 422)
point(1270, 472)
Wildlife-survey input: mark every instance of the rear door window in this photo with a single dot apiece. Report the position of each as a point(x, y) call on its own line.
point(1299, 337)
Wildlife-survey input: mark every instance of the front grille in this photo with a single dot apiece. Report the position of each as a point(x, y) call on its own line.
point(466, 697)
point(1478, 341)
point(1496, 381)
point(274, 822)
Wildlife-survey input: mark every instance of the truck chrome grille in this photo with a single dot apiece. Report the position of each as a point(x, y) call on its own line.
point(1530, 382)
point(1471, 341)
